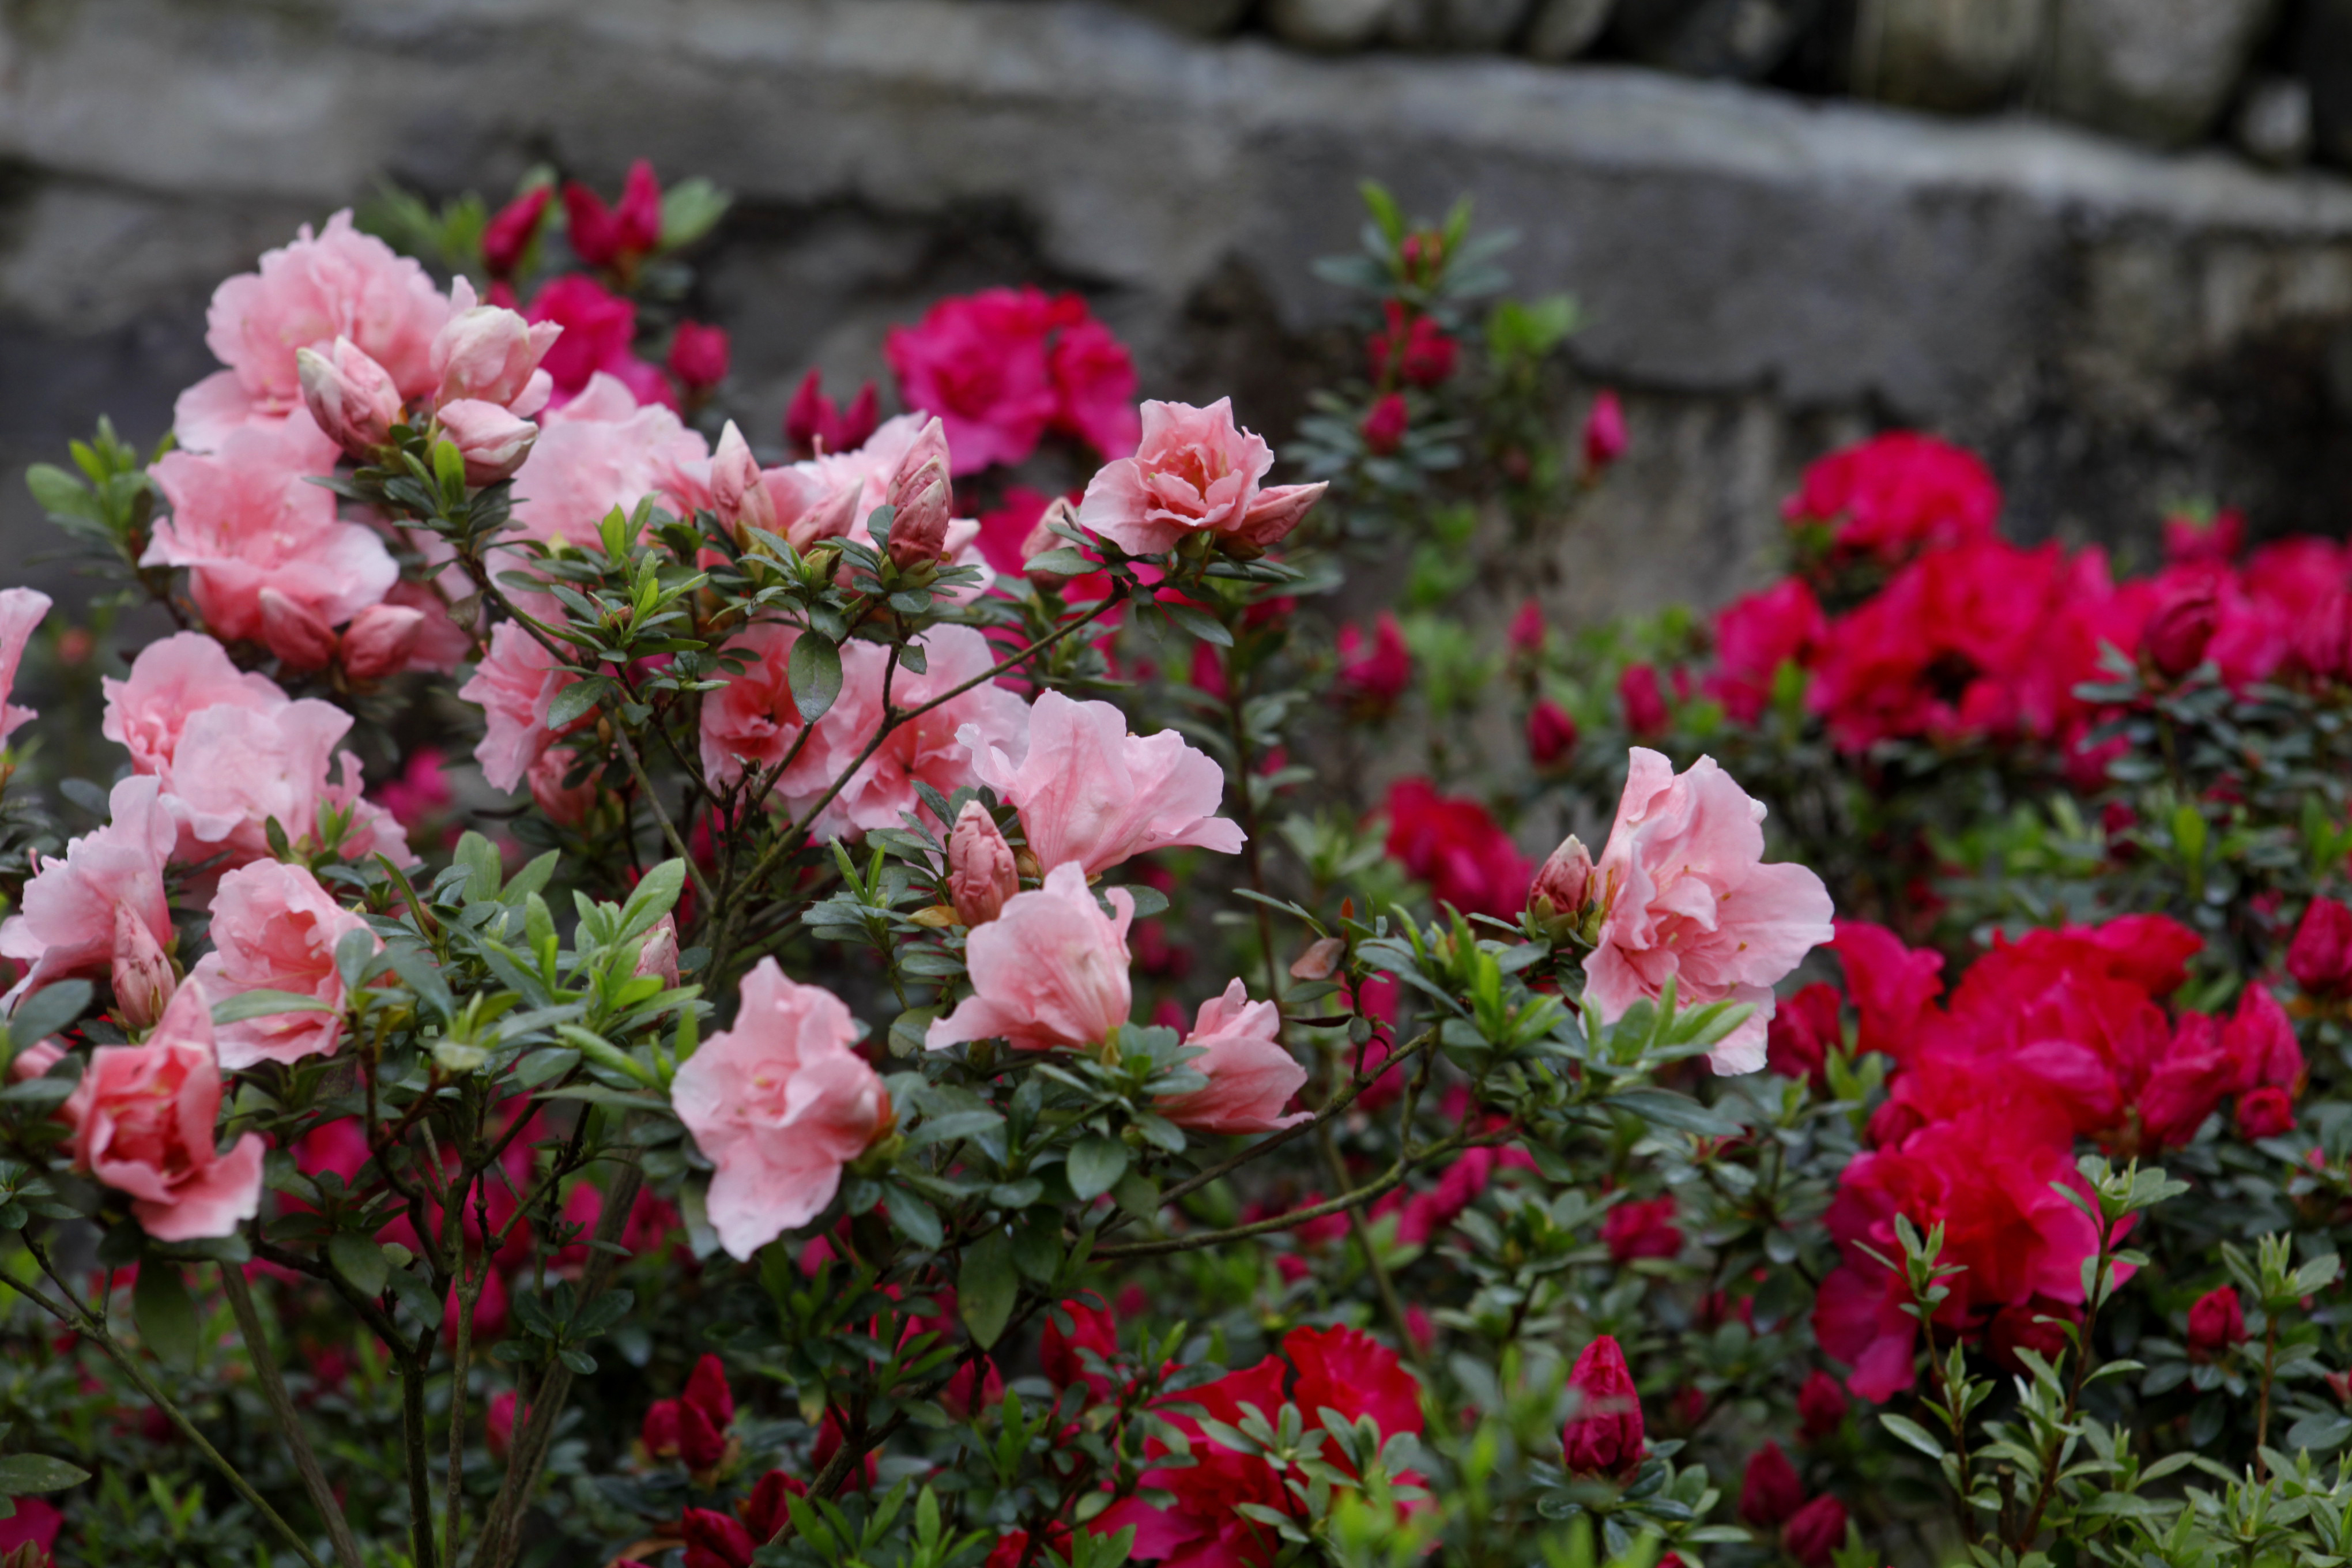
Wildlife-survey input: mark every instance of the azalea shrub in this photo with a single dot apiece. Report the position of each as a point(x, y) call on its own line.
point(588, 987)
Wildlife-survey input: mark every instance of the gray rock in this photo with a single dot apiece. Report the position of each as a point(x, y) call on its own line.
point(2156, 70)
point(1564, 30)
point(2324, 59)
point(2273, 121)
point(1457, 24)
point(1202, 18)
point(1328, 25)
point(1956, 55)
point(1742, 39)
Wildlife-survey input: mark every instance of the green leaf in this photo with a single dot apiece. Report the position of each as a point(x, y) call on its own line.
point(166, 1315)
point(263, 1003)
point(987, 1286)
point(917, 1220)
point(361, 1262)
point(1198, 622)
point(575, 700)
point(1096, 1164)
point(481, 858)
point(1668, 1108)
point(1911, 1432)
point(657, 893)
point(815, 675)
point(21, 1475)
point(47, 1011)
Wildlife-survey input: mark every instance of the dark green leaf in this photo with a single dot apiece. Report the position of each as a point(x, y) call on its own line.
point(1096, 1164)
point(361, 1262)
point(166, 1315)
point(21, 1475)
point(987, 1286)
point(815, 674)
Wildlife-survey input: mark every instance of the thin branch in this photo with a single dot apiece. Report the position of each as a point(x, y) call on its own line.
point(273, 1390)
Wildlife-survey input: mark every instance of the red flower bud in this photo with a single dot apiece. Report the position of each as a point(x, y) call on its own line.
point(1643, 701)
point(2320, 956)
point(1771, 1490)
point(2265, 1112)
point(698, 356)
point(1604, 1437)
point(1551, 734)
point(1821, 1407)
point(2216, 1323)
point(1604, 432)
point(510, 234)
point(2177, 634)
point(765, 1512)
point(714, 1540)
point(1815, 1531)
point(1384, 425)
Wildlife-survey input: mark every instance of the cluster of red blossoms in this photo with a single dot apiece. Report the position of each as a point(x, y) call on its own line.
point(1962, 635)
point(2058, 1035)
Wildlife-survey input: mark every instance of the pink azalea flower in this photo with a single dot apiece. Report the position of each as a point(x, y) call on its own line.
point(142, 1120)
point(1251, 1077)
point(753, 721)
point(171, 681)
point(778, 1104)
point(21, 610)
point(515, 683)
point(1689, 900)
point(1091, 793)
point(603, 450)
point(1050, 971)
point(66, 924)
point(940, 748)
point(239, 768)
point(275, 929)
point(1194, 471)
point(248, 519)
point(339, 283)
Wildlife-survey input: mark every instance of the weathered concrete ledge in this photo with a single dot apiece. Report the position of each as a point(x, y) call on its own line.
point(2116, 327)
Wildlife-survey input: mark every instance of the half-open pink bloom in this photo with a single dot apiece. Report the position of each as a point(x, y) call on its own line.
point(339, 283)
point(1690, 899)
point(940, 748)
point(1051, 971)
point(239, 768)
point(275, 929)
point(66, 924)
point(1194, 471)
point(603, 450)
point(827, 496)
point(21, 610)
point(1091, 793)
point(142, 1120)
point(248, 519)
point(515, 684)
point(489, 355)
point(1251, 1077)
point(779, 1103)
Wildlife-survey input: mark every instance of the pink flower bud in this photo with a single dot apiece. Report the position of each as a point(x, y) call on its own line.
point(698, 356)
point(920, 497)
point(493, 442)
point(1604, 432)
point(1564, 882)
point(486, 355)
point(380, 641)
point(980, 871)
point(143, 981)
point(739, 493)
point(296, 633)
point(351, 397)
point(659, 957)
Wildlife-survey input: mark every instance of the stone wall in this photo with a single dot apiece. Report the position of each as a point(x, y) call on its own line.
point(1763, 274)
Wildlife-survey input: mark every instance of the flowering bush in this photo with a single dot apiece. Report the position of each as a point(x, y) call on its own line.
point(944, 1024)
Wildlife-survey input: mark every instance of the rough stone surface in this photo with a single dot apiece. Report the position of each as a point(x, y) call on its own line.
point(1956, 55)
point(2273, 121)
point(1208, 18)
point(1457, 24)
point(1563, 30)
point(1763, 276)
point(2157, 70)
point(2323, 48)
point(1740, 40)
point(1328, 23)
